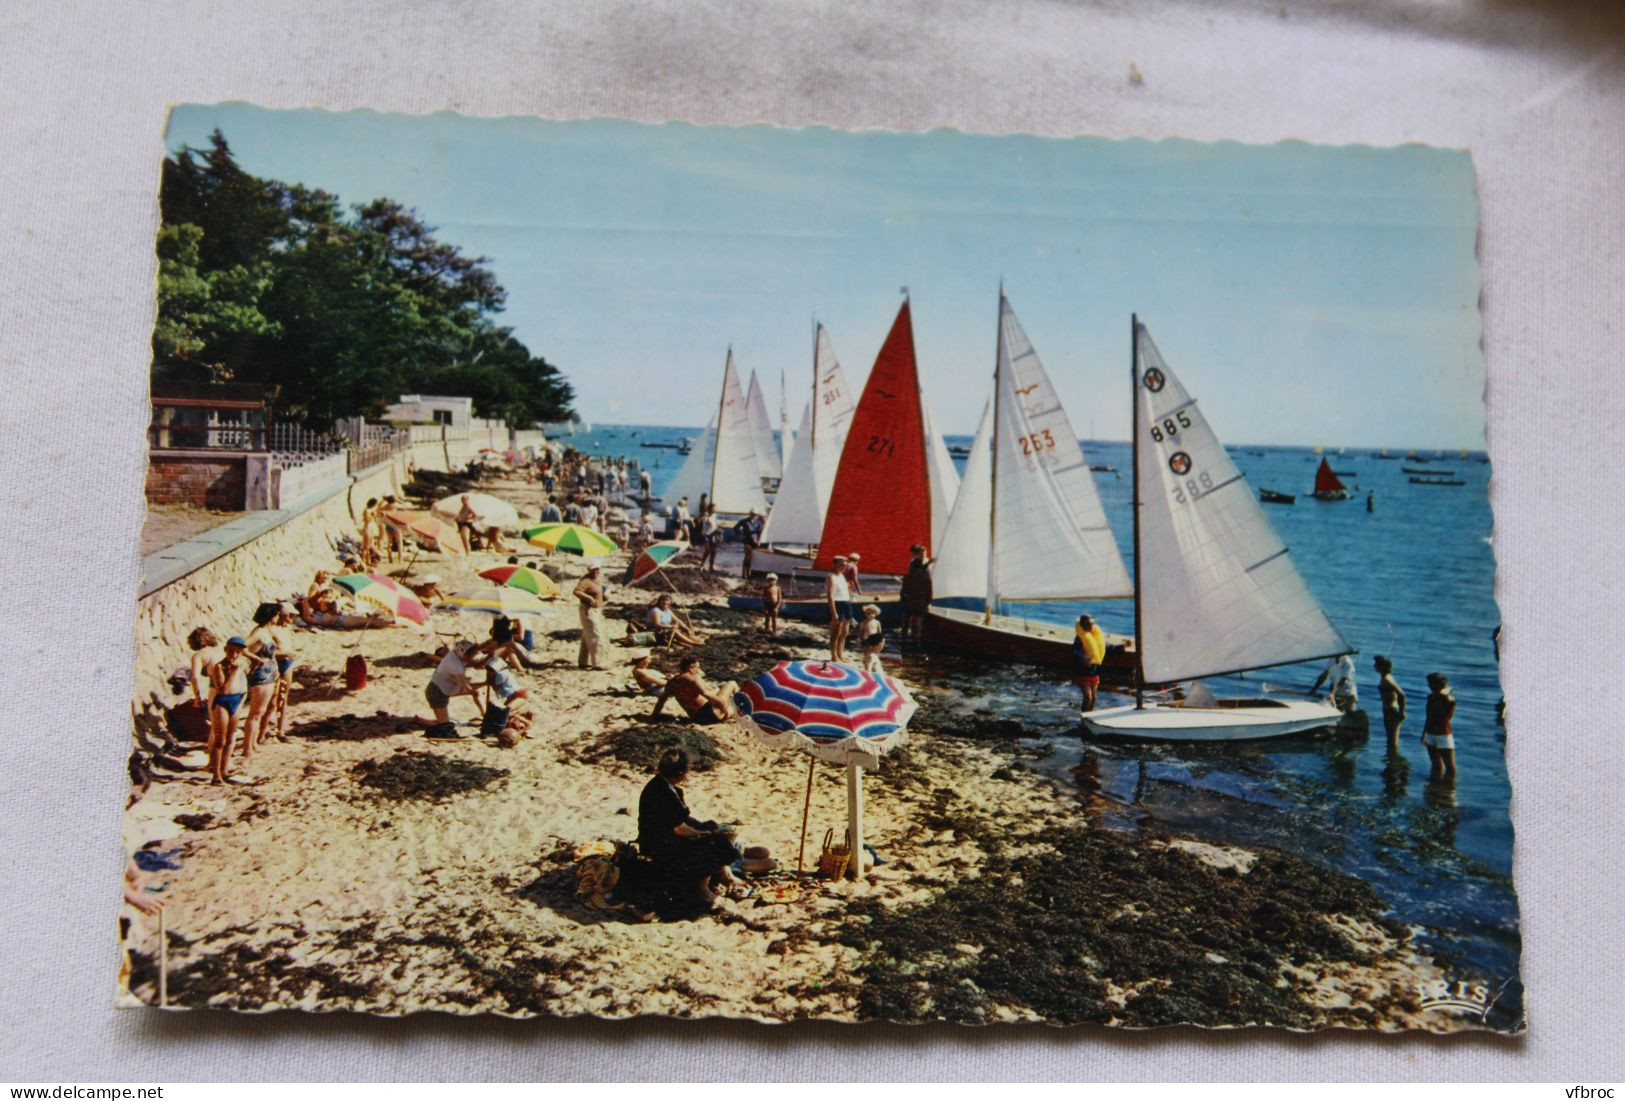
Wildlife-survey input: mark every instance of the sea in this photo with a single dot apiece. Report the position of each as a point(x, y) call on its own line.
point(1411, 578)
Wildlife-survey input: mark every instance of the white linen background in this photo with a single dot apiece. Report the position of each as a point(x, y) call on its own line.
point(1535, 90)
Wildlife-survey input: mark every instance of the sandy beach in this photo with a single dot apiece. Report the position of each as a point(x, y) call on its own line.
point(368, 868)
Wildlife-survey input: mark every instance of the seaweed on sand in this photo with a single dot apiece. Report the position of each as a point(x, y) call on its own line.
point(641, 747)
point(1112, 930)
point(424, 775)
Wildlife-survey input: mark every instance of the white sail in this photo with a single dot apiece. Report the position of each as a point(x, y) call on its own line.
point(761, 432)
point(736, 479)
point(1051, 540)
point(694, 476)
point(961, 566)
point(797, 516)
point(944, 479)
point(785, 439)
point(1218, 591)
point(832, 415)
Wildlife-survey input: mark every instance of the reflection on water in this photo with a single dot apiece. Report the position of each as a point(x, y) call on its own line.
point(1411, 580)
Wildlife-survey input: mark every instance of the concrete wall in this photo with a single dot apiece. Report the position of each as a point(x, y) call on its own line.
point(223, 593)
point(292, 484)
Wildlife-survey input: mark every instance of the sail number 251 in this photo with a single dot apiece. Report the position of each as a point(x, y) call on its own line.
point(1170, 426)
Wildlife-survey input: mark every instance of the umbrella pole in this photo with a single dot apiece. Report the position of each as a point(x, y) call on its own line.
point(854, 820)
point(806, 808)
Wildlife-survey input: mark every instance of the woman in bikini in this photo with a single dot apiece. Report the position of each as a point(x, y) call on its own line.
point(228, 683)
point(262, 677)
point(286, 657)
point(1393, 699)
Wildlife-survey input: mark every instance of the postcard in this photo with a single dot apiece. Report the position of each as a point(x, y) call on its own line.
point(599, 568)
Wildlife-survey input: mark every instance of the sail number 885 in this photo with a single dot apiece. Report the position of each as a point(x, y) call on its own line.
point(1170, 426)
point(1193, 486)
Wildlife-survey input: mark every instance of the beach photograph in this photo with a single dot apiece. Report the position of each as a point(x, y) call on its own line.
point(599, 568)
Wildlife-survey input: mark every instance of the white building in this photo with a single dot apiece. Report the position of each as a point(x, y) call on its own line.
point(431, 409)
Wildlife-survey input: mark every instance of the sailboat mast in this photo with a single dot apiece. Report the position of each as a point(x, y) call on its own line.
point(812, 433)
point(993, 501)
point(1134, 421)
point(722, 401)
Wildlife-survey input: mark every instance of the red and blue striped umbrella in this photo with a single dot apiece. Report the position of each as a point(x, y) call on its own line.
point(836, 712)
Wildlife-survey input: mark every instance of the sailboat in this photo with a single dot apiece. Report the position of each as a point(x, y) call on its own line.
point(1215, 591)
point(724, 466)
point(1327, 485)
point(883, 495)
point(1027, 526)
point(761, 436)
point(796, 522)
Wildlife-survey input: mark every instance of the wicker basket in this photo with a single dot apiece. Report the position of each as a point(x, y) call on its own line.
point(832, 860)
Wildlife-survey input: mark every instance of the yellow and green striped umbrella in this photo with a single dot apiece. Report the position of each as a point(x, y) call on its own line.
point(571, 539)
point(498, 600)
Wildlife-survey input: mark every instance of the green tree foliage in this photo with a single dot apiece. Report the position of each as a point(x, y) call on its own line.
point(262, 281)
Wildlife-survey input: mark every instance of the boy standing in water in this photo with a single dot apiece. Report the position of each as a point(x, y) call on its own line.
point(1088, 651)
point(1436, 734)
point(1393, 699)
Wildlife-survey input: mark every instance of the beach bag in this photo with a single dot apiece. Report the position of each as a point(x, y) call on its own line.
point(355, 673)
point(832, 860)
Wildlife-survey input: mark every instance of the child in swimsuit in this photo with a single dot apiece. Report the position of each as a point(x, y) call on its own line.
point(772, 598)
point(228, 680)
point(871, 638)
point(286, 658)
point(262, 676)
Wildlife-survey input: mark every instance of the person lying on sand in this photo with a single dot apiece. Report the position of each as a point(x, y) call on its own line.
point(321, 609)
point(702, 703)
point(683, 848)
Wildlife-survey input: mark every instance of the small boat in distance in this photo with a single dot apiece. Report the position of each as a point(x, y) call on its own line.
point(1215, 591)
point(1273, 497)
point(1428, 472)
point(1437, 482)
point(1327, 487)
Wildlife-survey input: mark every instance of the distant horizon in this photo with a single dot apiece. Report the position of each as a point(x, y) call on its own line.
point(1326, 292)
point(1329, 448)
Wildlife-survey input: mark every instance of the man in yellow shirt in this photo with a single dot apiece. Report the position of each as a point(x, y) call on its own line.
point(1088, 651)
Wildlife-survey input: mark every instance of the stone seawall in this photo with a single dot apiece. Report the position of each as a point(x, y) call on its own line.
point(223, 594)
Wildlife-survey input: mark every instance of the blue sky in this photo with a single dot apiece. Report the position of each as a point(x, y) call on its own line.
point(1305, 294)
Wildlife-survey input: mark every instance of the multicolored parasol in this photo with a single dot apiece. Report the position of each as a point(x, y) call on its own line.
point(429, 528)
point(497, 600)
point(387, 594)
point(836, 712)
point(653, 558)
point(524, 578)
point(571, 539)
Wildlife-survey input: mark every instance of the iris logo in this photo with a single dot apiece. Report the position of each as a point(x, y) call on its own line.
point(1460, 996)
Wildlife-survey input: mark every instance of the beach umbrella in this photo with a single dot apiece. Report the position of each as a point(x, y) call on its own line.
point(652, 558)
point(571, 539)
point(524, 578)
point(491, 511)
point(836, 713)
point(497, 600)
point(387, 594)
point(429, 528)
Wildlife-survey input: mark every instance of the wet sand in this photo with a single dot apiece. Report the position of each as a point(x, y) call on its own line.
point(365, 867)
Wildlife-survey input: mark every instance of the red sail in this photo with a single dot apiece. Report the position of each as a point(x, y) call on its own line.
point(881, 500)
point(1326, 481)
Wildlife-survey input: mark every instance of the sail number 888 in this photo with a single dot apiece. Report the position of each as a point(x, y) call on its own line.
point(1193, 486)
point(1170, 426)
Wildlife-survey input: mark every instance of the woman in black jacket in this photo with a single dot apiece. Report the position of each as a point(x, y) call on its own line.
point(687, 852)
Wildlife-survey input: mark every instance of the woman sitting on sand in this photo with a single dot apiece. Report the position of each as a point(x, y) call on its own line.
point(684, 849)
point(664, 621)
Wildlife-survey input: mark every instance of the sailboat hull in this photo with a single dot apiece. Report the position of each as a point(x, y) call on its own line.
point(780, 560)
point(1231, 721)
point(1006, 638)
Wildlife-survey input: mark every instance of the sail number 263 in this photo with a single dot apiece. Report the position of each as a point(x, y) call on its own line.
point(1036, 442)
point(1170, 426)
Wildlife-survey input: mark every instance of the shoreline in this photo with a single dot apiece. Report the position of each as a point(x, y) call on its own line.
point(312, 888)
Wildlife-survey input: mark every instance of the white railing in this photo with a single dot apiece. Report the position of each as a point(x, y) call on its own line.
point(296, 479)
